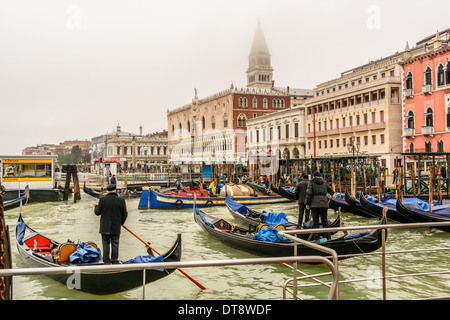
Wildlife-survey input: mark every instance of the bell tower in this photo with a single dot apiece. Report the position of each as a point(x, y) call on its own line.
point(260, 71)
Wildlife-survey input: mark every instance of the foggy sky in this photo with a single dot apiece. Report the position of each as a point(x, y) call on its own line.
point(73, 69)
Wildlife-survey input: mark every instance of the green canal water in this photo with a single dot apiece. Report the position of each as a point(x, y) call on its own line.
point(67, 220)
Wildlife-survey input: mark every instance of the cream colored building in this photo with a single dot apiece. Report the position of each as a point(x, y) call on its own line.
point(363, 108)
point(281, 132)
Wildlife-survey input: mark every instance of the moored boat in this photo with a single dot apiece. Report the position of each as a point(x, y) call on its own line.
point(439, 213)
point(36, 251)
point(122, 194)
point(247, 216)
point(152, 199)
point(377, 208)
point(356, 208)
point(246, 240)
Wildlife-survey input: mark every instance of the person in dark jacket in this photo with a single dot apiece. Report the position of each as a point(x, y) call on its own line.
point(300, 195)
point(316, 200)
point(113, 213)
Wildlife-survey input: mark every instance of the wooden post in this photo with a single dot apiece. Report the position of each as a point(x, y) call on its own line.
point(76, 185)
point(431, 191)
point(379, 185)
point(68, 171)
point(413, 177)
point(352, 184)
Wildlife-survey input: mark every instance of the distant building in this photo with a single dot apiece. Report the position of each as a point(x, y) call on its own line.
point(114, 151)
point(213, 130)
point(62, 148)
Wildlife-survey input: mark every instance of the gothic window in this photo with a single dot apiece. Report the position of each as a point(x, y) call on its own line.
point(225, 120)
point(428, 76)
point(440, 146)
point(448, 117)
point(255, 103)
point(265, 103)
point(428, 147)
point(173, 129)
point(440, 76)
point(213, 122)
point(429, 117)
point(180, 128)
point(410, 120)
point(409, 81)
point(203, 123)
point(447, 73)
point(411, 147)
point(242, 120)
point(189, 126)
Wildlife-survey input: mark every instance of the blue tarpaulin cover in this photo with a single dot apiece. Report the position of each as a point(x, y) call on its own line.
point(270, 234)
point(236, 206)
point(85, 254)
point(275, 218)
point(20, 231)
point(147, 259)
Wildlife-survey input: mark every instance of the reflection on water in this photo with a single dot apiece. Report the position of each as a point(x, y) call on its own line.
point(66, 220)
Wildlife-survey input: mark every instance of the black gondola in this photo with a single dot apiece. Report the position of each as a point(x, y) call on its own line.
point(239, 238)
point(283, 192)
point(35, 250)
point(14, 203)
point(256, 187)
point(251, 217)
point(377, 209)
point(356, 208)
point(98, 195)
point(414, 212)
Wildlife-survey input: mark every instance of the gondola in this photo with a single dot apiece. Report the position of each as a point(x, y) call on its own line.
point(356, 208)
point(35, 249)
point(98, 195)
point(11, 204)
point(246, 240)
point(283, 192)
point(152, 199)
point(440, 213)
point(377, 209)
point(250, 217)
point(256, 187)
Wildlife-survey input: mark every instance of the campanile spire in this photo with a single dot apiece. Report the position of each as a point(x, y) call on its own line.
point(260, 71)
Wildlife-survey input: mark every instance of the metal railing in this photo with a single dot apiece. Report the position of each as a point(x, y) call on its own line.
point(331, 261)
point(335, 258)
point(173, 265)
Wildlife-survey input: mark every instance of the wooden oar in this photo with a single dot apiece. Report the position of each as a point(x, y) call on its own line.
point(148, 245)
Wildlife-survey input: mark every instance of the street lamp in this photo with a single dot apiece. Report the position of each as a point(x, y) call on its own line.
point(353, 147)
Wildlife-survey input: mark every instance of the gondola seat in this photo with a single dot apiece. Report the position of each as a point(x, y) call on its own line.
point(39, 244)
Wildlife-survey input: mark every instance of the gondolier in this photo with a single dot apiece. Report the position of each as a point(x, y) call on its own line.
point(317, 200)
point(113, 213)
point(300, 195)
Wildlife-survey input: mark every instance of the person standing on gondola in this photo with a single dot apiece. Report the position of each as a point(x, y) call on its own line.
point(113, 213)
point(317, 201)
point(300, 195)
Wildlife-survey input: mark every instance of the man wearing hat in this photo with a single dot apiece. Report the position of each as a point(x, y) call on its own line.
point(113, 212)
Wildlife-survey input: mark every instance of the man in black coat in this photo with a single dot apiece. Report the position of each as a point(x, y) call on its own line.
point(113, 213)
point(316, 199)
point(300, 195)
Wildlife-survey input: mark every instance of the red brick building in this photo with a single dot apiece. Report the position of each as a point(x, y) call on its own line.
point(213, 129)
point(426, 104)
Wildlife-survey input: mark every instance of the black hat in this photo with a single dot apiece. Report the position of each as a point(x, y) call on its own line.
point(111, 187)
point(316, 174)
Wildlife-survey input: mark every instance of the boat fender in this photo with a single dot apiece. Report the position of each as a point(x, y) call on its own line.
point(179, 203)
point(209, 203)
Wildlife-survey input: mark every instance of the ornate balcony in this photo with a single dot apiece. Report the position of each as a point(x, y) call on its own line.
point(427, 130)
point(408, 132)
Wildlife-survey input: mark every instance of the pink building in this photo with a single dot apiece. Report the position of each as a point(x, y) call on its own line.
point(426, 87)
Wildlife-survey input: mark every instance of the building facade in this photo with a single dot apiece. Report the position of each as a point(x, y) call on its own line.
point(113, 152)
point(426, 104)
point(358, 113)
point(213, 130)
